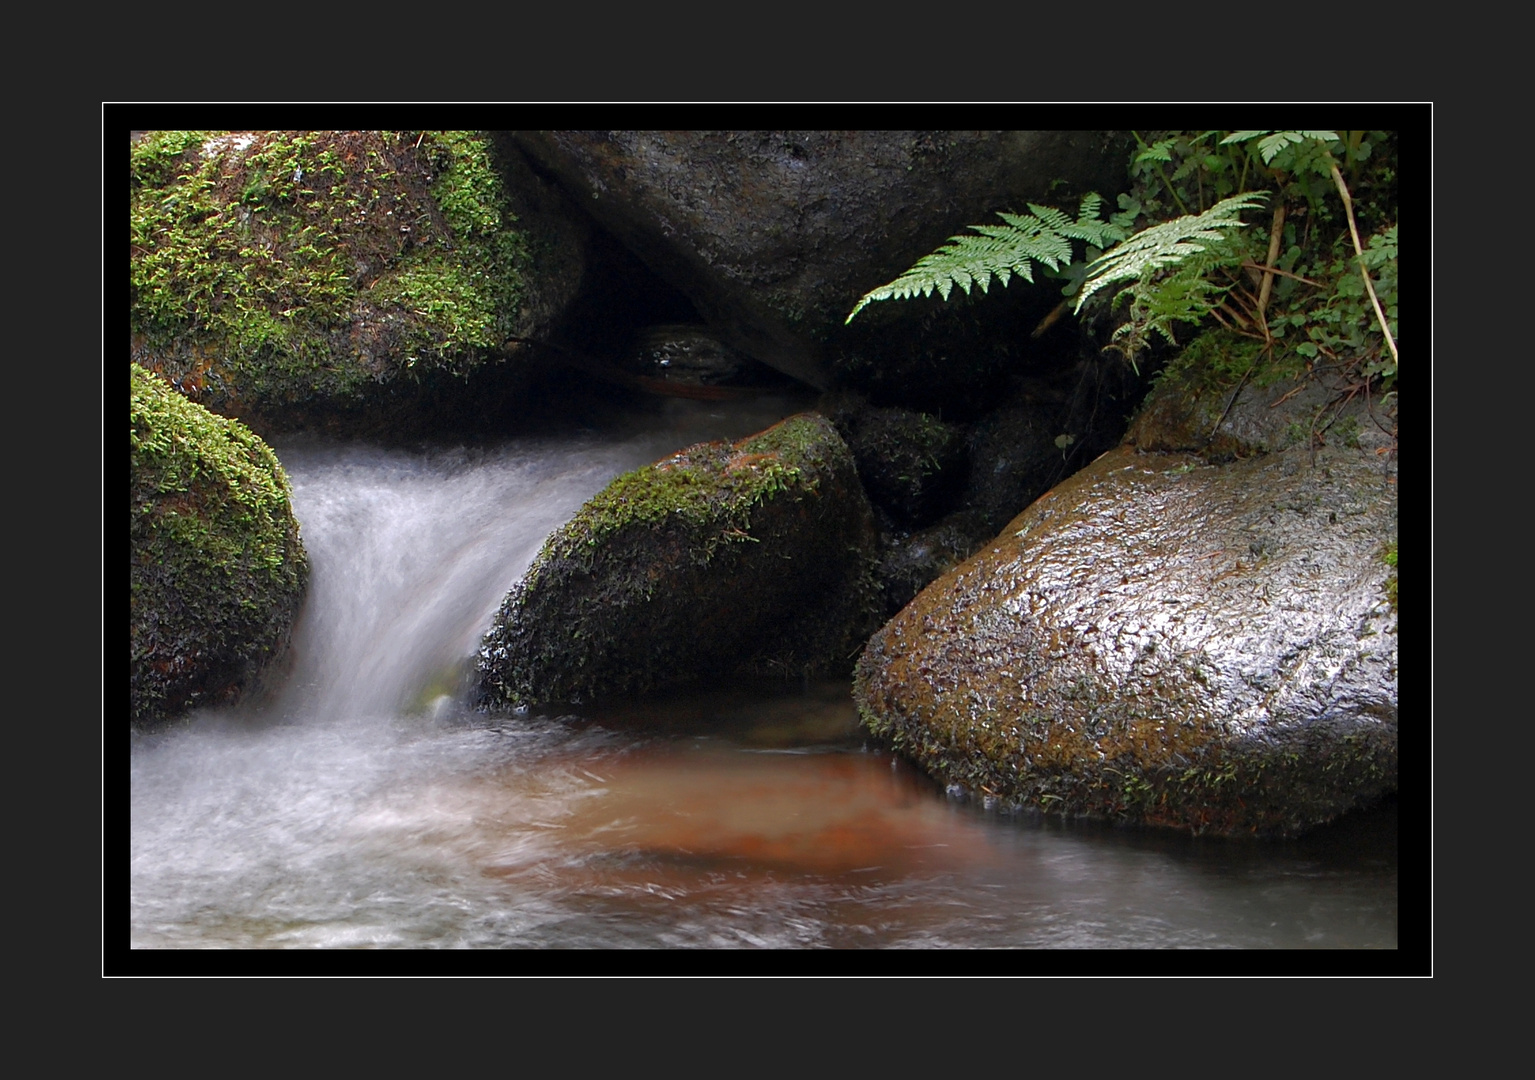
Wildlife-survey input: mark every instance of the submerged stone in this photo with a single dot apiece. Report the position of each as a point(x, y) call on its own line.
point(1163, 641)
point(725, 559)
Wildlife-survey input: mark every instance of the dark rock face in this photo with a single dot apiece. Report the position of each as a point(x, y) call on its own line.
point(1014, 460)
point(686, 354)
point(911, 464)
point(1164, 641)
point(218, 571)
point(774, 235)
point(909, 562)
point(752, 558)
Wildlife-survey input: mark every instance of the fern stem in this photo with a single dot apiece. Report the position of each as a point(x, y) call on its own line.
point(1276, 235)
point(1168, 184)
point(1051, 319)
point(1353, 230)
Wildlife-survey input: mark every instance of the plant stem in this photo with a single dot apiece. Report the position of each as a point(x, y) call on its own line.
point(1168, 184)
point(1353, 230)
point(1276, 234)
point(1250, 265)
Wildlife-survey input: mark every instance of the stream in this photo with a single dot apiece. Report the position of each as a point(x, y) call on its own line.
point(364, 805)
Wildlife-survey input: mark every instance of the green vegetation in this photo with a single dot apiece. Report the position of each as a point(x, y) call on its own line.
point(217, 569)
point(278, 268)
point(1319, 287)
point(1389, 558)
point(1043, 235)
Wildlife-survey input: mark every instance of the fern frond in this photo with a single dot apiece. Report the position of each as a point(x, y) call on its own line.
point(1166, 244)
point(1157, 151)
point(1270, 143)
point(1158, 303)
point(1041, 236)
point(1087, 227)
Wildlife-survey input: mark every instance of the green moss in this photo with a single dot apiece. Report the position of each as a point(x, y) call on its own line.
point(217, 566)
point(724, 560)
point(1219, 359)
point(1388, 556)
point(273, 268)
point(710, 482)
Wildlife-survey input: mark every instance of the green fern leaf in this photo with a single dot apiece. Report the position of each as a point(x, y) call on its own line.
point(1270, 143)
point(1158, 151)
point(1166, 244)
point(1041, 236)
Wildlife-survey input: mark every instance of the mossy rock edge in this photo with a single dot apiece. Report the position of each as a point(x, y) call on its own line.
point(752, 558)
point(218, 571)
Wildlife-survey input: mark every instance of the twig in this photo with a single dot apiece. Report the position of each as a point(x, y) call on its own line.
point(1051, 319)
point(1237, 297)
point(1353, 230)
point(1250, 265)
point(1231, 401)
point(1288, 396)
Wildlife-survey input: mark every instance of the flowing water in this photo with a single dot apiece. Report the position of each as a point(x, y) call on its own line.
point(364, 805)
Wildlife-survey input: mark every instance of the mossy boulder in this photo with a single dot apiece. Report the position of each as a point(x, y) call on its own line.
point(1163, 641)
point(296, 277)
point(752, 558)
point(218, 571)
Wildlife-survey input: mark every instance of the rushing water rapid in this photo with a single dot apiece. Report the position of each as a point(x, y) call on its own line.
point(362, 804)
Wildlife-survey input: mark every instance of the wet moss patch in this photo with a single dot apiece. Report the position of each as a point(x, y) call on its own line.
point(277, 272)
point(218, 569)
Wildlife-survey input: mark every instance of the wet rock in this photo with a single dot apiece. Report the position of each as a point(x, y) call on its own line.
point(681, 353)
point(1218, 401)
point(910, 562)
point(1163, 641)
point(723, 560)
point(912, 464)
point(1014, 459)
point(774, 235)
point(322, 278)
point(218, 570)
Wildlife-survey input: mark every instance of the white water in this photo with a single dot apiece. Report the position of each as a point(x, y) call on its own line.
point(365, 806)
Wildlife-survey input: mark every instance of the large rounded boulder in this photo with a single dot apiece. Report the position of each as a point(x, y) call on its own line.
point(774, 235)
point(218, 571)
point(327, 277)
point(752, 558)
point(1163, 640)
